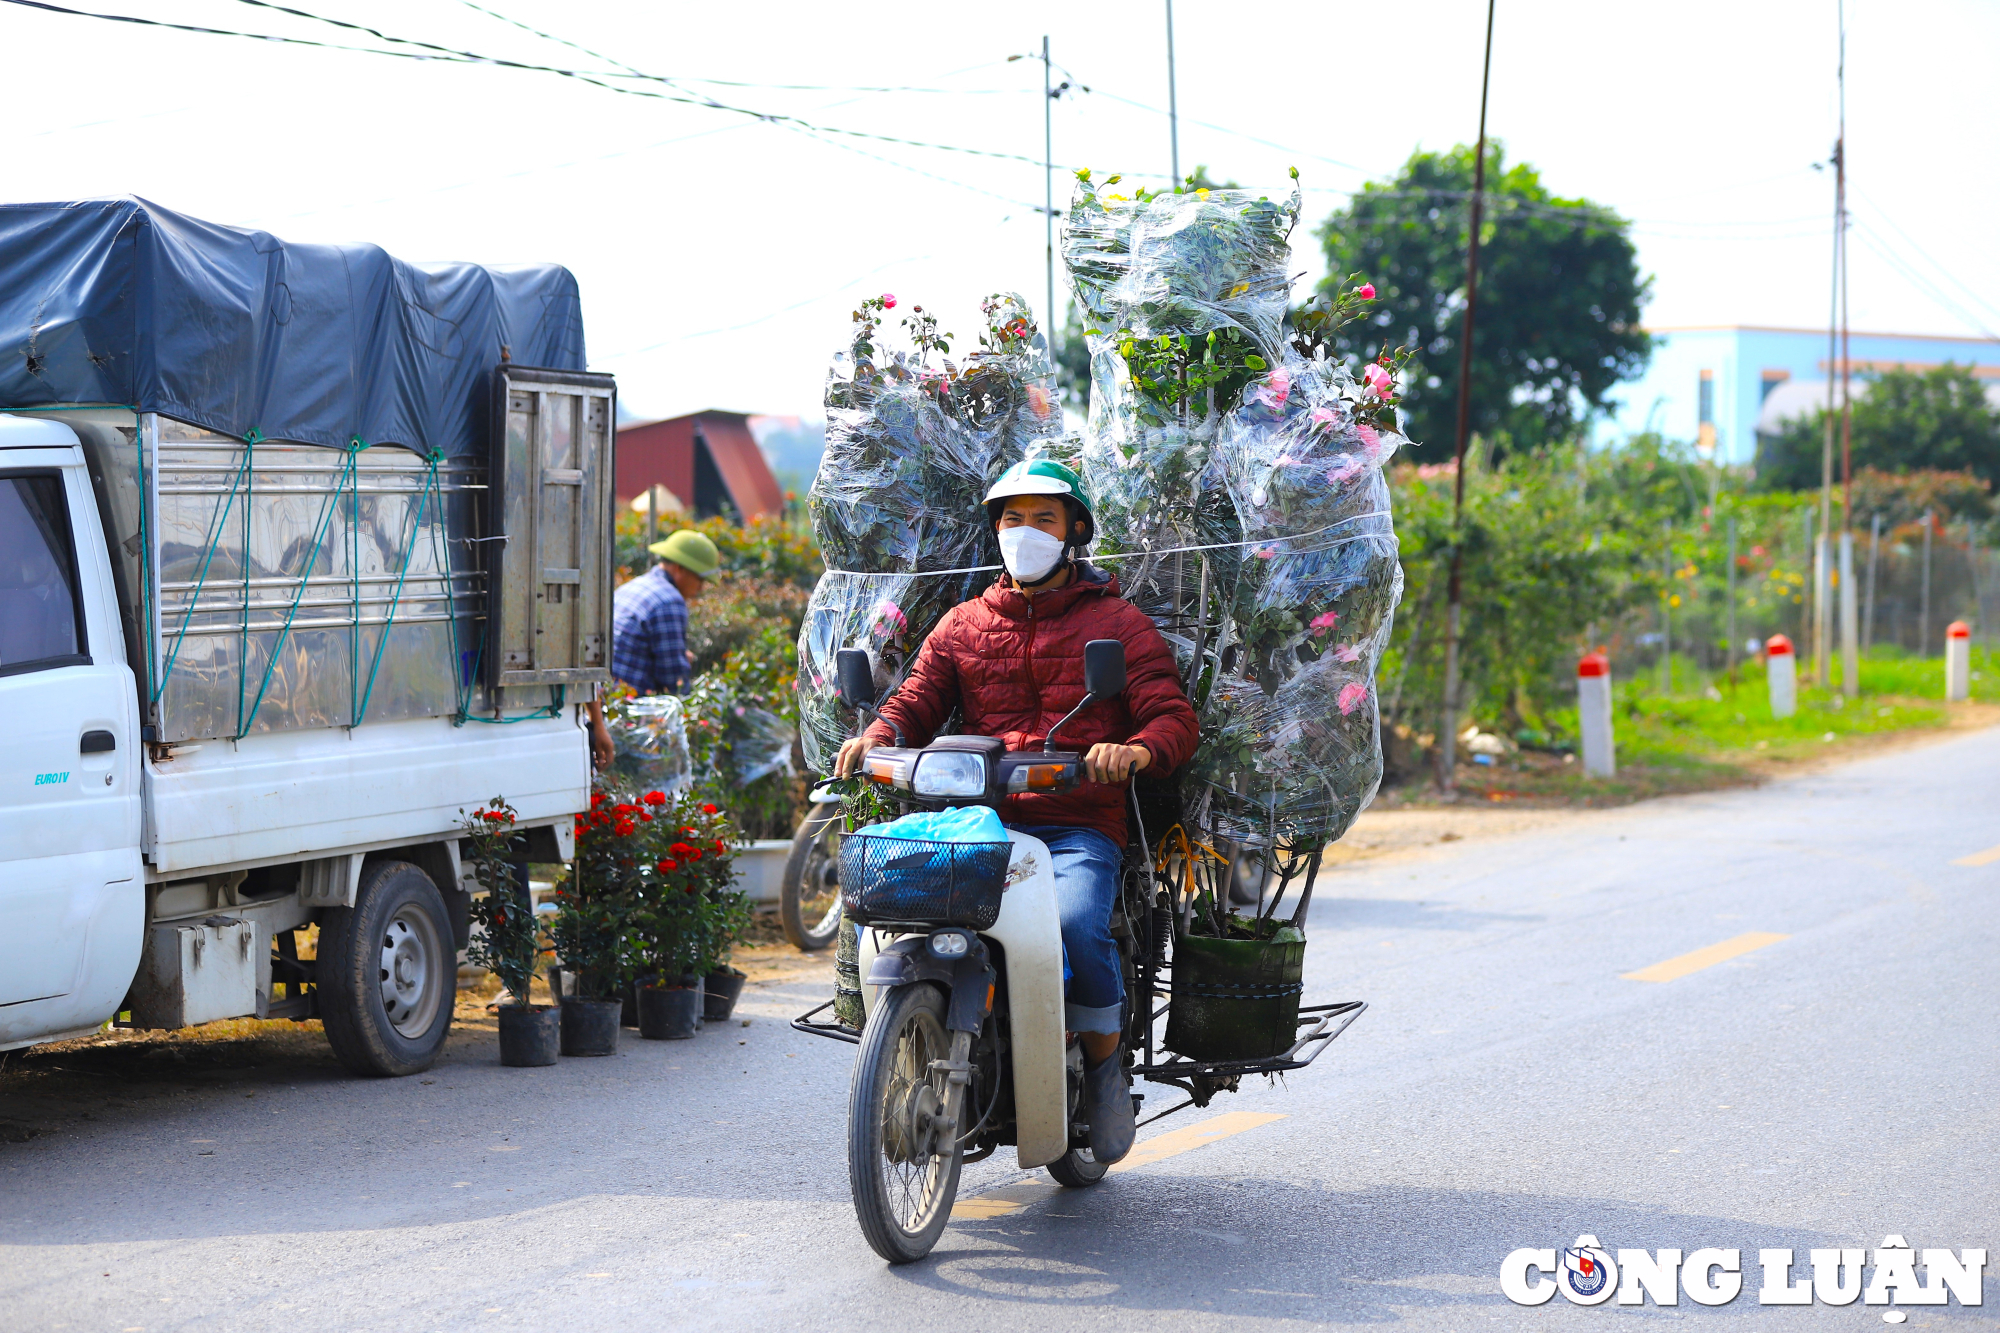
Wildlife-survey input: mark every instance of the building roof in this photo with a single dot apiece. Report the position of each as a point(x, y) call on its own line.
point(704, 458)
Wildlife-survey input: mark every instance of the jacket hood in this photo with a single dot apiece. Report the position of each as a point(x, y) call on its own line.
point(1090, 581)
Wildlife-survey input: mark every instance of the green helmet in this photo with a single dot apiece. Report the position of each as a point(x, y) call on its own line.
point(1042, 476)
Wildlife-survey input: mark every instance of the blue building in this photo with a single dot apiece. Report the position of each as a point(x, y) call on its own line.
point(1719, 385)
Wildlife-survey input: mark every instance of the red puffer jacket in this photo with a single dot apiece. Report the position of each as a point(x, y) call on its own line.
point(1016, 668)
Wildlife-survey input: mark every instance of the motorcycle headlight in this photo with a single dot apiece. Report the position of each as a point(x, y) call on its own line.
point(949, 773)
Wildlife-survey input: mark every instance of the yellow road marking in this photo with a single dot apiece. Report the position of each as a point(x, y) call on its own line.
point(1675, 968)
point(1985, 858)
point(1194, 1136)
point(1003, 1202)
point(1011, 1199)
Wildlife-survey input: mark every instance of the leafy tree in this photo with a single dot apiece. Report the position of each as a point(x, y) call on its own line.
point(1559, 296)
point(1906, 421)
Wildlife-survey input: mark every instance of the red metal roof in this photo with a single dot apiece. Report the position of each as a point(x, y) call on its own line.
point(670, 453)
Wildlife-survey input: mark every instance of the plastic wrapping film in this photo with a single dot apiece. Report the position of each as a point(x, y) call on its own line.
point(649, 745)
point(1279, 624)
point(1168, 266)
point(910, 452)
point(1291, 749)
point(742, 741)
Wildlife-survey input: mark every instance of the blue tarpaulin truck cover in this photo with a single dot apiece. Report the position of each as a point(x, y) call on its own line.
point(122, 301)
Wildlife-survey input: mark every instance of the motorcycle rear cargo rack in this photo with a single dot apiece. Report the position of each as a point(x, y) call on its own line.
point(1320, 1024)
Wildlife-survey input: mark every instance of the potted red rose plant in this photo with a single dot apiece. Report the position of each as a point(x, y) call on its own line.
point(508, 938)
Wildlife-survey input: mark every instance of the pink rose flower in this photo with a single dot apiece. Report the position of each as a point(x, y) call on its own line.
point(1324, 621)
point(1379, 381)
point(1345, 470)
point(1366, 291)
point(1322, 416)
point(1347, 652)
point(888, 301)
point(1369, 438)
point(1284, 460)
point(1351, 695)
point(890, 617)
point(1280, 382)
point(1265, 552)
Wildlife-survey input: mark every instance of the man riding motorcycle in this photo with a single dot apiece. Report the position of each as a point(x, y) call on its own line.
point(1012, 661)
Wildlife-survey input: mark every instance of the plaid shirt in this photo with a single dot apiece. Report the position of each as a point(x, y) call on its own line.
point(649, 620)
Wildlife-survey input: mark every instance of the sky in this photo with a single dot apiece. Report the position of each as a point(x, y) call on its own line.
point(720, 254)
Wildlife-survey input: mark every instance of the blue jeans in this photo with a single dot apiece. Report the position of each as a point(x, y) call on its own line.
point(1088, 867)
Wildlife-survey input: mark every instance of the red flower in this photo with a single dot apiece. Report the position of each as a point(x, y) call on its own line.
point(645, 817)
point(720, 847)
point(686, 829)
point(888, 301)
point(493, 816)
point(694, 853)
point(597, 798)
point(655, 798)
point(691, 890)
point(680, 849)
point(624, 828)
point(711, 809)
point(666, 867)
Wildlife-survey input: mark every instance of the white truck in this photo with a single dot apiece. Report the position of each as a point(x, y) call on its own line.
point(249, 686)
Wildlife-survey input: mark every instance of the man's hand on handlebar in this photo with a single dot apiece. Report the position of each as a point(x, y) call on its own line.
point(1114, 763)
point(848, 762)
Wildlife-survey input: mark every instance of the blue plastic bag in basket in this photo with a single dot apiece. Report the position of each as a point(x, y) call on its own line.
point(969, 823)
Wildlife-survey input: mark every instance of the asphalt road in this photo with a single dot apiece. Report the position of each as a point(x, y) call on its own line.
point(1508, 1087)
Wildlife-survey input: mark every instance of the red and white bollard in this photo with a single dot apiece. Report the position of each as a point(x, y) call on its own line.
point(1593, 714)
point(1782, 671)
point(1957, 662)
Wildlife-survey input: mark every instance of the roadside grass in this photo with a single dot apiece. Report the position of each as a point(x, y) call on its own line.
point(1711, 733)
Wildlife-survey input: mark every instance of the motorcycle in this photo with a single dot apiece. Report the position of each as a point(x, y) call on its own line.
point(963, 1050)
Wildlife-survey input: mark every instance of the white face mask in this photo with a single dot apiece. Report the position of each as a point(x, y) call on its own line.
point(1030, 554)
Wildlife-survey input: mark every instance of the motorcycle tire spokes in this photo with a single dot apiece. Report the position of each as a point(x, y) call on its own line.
point(902, 1160)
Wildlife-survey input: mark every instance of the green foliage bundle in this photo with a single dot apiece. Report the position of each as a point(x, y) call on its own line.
point(1936, 420)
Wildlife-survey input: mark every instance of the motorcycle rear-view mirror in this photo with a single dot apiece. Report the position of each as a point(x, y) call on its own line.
point(856, 678)
point(1104, 668)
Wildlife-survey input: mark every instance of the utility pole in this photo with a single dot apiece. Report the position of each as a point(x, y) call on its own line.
point(1731, 656)
point(1850, 649)
point(1173, 104)
point(1448, 733)
point(1874, 555)
point(1924, 603)
point(1049, 322)
point(1666, 618)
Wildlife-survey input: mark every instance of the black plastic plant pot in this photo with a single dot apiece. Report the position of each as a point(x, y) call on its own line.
point(720, 991)
point(1234, 999)
point(590, 1027)
point(530, 1035)
point(670, 1013)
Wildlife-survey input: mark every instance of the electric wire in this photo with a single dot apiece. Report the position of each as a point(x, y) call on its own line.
point(595, 78)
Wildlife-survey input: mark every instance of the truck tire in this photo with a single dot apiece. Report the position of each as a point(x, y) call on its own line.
point(387, 974)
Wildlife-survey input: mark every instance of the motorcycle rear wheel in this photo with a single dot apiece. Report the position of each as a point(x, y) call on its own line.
point(1077, 1169)
point(903, 1188)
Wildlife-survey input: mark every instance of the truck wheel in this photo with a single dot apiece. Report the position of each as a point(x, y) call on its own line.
point(387, 973)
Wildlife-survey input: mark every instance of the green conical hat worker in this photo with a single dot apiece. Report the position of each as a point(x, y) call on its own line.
point(691, 550)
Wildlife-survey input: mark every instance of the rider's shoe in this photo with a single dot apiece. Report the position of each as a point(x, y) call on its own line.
point(1112, 1121)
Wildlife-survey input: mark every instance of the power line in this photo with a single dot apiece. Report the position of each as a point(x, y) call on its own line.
point(431, 51)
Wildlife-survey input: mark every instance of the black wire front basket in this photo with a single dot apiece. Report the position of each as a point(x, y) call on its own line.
point(885, 879)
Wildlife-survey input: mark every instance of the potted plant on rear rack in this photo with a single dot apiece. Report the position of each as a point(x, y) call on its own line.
point(593, 931)
point(509, 938)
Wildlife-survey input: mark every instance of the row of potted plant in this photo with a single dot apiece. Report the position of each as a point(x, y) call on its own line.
point(646, 915)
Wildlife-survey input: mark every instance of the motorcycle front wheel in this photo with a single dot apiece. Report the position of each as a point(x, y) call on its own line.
point(902, 1161)
point(809, 902)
